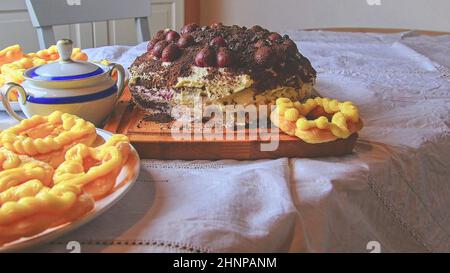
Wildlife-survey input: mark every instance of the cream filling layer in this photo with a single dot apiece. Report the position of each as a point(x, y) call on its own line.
point(224, 88)
point(222, 83)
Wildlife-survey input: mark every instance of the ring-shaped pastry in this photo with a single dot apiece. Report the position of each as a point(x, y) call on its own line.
point(317, 120)
point(47, 138)
point(16, 169)
point(94, 169)
point(31, 208)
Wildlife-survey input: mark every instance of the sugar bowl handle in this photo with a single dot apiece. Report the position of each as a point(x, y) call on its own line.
point(120, 77)
point(5, 100)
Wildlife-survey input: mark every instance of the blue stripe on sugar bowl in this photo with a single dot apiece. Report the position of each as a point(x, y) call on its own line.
point(74, 99)
point(32, 74)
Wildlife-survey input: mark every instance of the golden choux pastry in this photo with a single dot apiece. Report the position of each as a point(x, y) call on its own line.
point(47, 138)
point(33, 195)
point(17, 169)
point(317, 120)
point(30, 203)
point(10, 54)
point(27, 214)
point(94, 169)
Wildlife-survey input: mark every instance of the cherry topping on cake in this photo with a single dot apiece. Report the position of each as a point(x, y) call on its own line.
point(271, 62)
point(170, 53)
point(260, 43)
point(205, 57)
point(265, 56)
point(172, 36)
point(160, 35)
point(257, 28)
point(151, 44)
point(274, 37)
point(224, 57)
point(189, 28)
point(158, 48)
point(216, 25)
point(218, 41)
point(185, 41)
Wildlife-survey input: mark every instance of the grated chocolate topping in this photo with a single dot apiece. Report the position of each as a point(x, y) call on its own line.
point(270, 59)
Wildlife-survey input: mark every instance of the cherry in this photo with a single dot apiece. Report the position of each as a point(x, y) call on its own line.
point(274, 37)
point(224, 57)
point(151, 44)
point(189, 28)
point(170, 53)
point(259, 44)
point(185, 41)
point(216, 25)
point(218, 41)
point(172, 36)
point(158, 48)
point(265, 56)
point(205, 57)
point(256, 28)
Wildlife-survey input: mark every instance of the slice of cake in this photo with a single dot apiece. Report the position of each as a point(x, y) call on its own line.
point(220, 64)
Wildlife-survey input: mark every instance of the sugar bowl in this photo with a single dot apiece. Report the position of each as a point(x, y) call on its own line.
point(85, 89)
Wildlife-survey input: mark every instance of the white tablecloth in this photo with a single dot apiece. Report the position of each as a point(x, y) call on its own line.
point(393, 190)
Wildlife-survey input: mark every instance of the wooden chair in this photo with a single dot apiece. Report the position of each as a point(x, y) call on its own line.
point(48, 13)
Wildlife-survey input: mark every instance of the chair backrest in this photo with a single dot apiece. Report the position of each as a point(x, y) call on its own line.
point(45, 14)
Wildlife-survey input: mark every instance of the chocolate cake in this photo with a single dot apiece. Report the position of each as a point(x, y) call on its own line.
point(220, 64)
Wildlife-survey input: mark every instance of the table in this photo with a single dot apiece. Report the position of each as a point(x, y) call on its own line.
point(392, 193)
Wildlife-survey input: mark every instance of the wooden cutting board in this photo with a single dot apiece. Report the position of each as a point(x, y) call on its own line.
point(155, 141)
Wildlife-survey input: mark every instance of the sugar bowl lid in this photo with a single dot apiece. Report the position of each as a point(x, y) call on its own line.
point(65, 69)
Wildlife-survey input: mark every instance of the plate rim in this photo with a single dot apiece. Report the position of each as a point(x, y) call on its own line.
point(64, 229)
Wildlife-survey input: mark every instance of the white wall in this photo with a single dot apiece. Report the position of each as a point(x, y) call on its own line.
point(294, 14)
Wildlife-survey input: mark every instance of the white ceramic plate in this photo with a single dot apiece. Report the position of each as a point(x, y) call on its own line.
point(101, 206)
